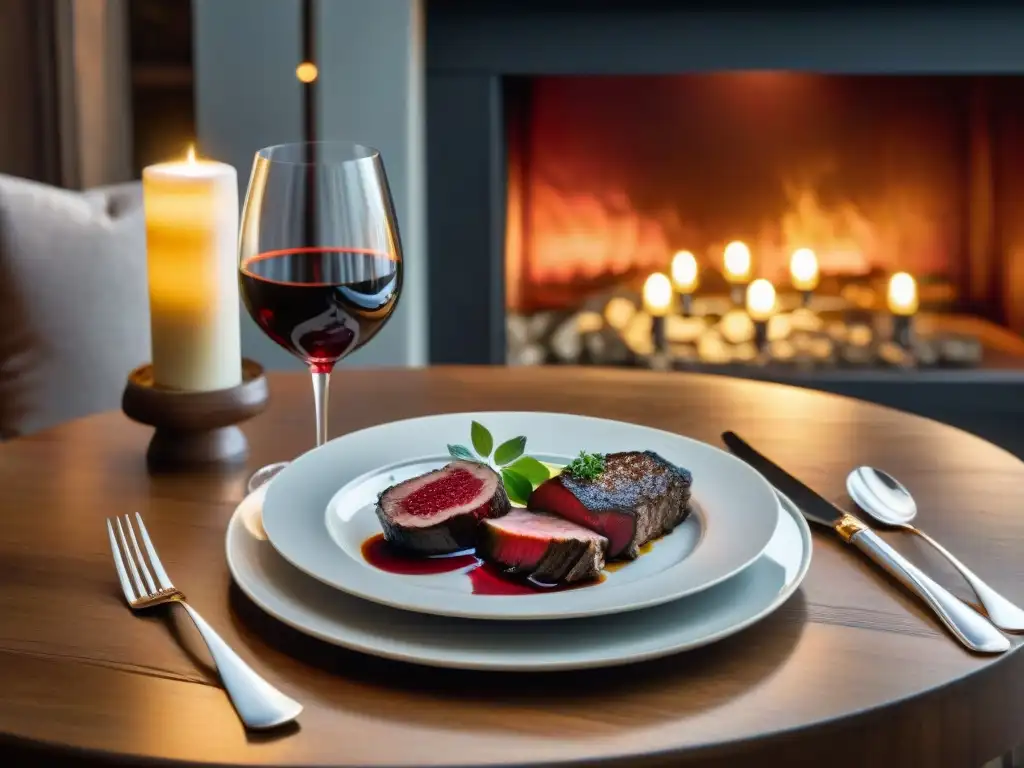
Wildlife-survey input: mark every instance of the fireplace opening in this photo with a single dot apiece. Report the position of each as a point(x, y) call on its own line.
point(609, 177)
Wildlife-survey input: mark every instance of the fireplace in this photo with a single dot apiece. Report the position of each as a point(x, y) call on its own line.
point(874, 173)
point(573, 152)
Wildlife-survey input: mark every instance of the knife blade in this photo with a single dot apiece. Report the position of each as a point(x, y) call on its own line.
point(811, 504)
point(967, 625)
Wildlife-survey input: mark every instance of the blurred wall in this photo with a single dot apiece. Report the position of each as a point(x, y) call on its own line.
point(26, 89)
point(370, 90)
point(371, 58)
point(94, 74)
point(64, 91)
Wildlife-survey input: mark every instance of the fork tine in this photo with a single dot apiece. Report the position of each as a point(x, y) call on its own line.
point(122, 574)
point(138, 554)
point(127, 555)
point(158, 568)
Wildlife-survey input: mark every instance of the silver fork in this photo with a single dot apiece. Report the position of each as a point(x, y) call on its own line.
point(257, 702)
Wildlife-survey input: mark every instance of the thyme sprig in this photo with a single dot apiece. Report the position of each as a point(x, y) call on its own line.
point(586, 466)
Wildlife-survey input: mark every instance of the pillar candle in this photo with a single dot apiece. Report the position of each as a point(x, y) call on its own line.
point(761, 306)
point(903, 302)
point(657, 297)
point(191, 210)
point(737, 267)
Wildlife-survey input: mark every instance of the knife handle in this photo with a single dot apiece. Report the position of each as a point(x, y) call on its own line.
point(970, 627)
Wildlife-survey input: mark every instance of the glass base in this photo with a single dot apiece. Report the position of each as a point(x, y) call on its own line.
point(264, 475)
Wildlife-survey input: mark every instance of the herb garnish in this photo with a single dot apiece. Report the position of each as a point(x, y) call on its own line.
point(586, 466)
point(520, 474)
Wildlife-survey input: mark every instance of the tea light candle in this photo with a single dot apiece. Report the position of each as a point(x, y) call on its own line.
point(736, 261)
point(760, 307)
point(685, 279)
point(657, 301)
point(903, 304)
point(803, 272)
point(191, 210)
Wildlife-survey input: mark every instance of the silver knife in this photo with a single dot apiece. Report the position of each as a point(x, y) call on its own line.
point(970, 627)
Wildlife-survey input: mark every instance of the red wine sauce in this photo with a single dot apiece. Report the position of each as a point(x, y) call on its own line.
point(378, 553)
point(486, 578)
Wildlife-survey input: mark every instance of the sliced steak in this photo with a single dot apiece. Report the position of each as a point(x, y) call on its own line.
point(544, 548)
point(638, 497)
point(440, 512)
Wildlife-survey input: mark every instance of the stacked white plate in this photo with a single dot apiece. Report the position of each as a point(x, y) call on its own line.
point(296, 551)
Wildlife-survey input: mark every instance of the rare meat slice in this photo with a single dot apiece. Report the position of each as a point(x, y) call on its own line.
point(544, 548)
point(440, 512)
point(638, 497)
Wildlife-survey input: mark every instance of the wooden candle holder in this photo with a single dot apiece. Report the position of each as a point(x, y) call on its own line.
point(195, 428)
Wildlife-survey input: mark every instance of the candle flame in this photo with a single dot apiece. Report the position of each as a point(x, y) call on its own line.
point(657, 294)
point(737, 262)
point(760, 299)
point(902, 298)
point(191, 156)
point(803, 269)
point(685, 276)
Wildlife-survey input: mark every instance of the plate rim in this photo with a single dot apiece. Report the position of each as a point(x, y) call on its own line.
point(668, 649)
point(439, 607)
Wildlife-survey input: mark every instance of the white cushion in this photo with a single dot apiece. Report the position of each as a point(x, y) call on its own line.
point(74, 308)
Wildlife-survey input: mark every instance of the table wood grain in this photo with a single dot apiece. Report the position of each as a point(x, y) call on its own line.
point(850, 671)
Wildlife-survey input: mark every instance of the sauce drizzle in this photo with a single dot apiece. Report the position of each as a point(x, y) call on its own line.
point(485, 578)
point(378, 553)
point(616, 565)
point(488, 579)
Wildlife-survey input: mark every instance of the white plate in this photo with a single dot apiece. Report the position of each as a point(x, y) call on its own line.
point(320, 510)
point(315, 609)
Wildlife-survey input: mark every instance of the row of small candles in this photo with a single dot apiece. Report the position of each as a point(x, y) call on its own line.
point(758, 296)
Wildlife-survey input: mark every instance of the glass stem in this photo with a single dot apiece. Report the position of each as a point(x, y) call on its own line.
point(321, 388)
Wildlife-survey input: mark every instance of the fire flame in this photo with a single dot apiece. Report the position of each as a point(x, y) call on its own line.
point(657, 294)
point(685, 276)
point(760, 299)
point(803, 269)
point(902, 296)
point(595, 192)
point(736, 260)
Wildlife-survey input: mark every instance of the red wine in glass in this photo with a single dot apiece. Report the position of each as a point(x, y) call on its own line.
point(319, 257)
point(320, 304)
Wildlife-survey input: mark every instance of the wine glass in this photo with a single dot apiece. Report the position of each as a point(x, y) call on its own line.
point(319, 257)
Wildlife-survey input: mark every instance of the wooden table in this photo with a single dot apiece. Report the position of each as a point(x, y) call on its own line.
point(851, 671)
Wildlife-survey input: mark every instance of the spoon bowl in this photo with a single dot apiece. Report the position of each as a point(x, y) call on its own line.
point(882, 496)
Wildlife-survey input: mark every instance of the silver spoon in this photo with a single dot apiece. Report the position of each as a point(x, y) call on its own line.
point(886, 499)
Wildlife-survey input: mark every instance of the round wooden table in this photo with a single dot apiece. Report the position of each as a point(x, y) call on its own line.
point(850, 671)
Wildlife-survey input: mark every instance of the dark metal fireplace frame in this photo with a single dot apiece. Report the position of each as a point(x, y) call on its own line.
point(477, 48)
point(474, 48)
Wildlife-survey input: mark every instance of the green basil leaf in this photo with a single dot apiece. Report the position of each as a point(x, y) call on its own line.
point(482, 440)
point(517, 486)
point(509, 451)
point(461, 452)
point(531, 469)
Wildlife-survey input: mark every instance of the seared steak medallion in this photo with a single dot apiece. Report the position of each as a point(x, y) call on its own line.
point(544, 548)
point(440, 512)
point(638, 497)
